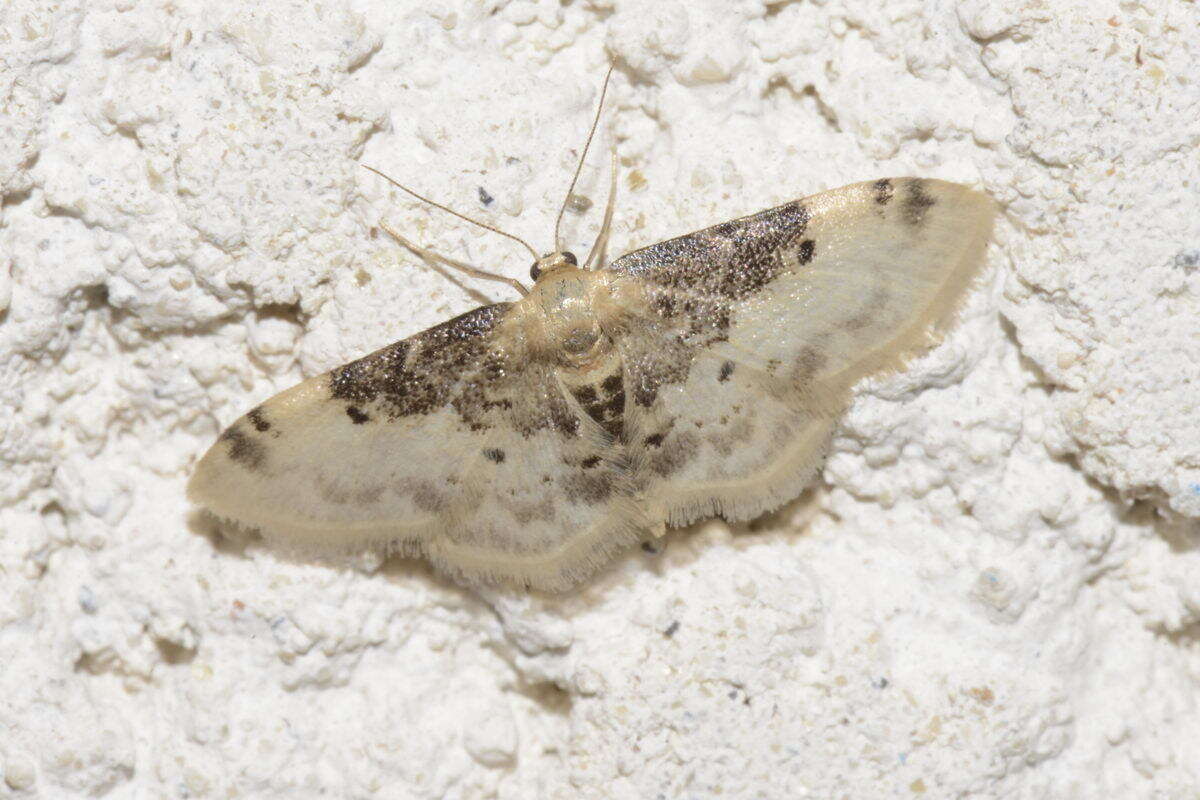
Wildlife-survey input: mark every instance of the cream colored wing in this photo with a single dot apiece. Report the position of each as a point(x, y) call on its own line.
point(743, 340)
point(453, 444)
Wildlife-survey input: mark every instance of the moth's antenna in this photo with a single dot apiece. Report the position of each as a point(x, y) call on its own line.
point(601, 241)
point(430, 256)
point(582, 156)
point(463, 217)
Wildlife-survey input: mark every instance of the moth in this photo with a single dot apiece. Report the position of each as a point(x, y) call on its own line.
point(529, 442)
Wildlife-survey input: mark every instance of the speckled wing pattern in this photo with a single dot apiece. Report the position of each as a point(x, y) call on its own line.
point(454, 444)
point(529, 442)
point(756, 329)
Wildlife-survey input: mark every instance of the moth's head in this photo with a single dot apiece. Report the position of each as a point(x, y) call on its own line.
point(550, 261)
point(561, 310)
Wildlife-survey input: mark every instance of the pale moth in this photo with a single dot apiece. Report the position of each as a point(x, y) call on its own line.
point(528, 442)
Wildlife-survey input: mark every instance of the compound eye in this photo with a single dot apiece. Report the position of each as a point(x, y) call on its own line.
point(569, 257)
point(535, 272)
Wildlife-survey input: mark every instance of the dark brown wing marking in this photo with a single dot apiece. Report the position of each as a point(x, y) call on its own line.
point(732, 260)
point(258, 418)
point(916, 202)
point(243, 447)
point(447, 365)
point(604, 402)
point(694, 283)
point(883, 191)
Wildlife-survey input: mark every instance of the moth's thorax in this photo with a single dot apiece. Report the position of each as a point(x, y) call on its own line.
point(564, 314)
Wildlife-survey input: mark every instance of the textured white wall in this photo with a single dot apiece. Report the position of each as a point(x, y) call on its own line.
point(991, 592)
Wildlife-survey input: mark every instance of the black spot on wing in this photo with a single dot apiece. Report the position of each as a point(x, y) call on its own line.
point(805, 253)
point(549, 410)
point(243, 448)
point(604, 403)
point(916, 203)
point(645, 393)
point(258, 419)
point(615, 407)
point(357, 415)
point(494, 454)
point(590, 462)
point(726, 371)
point(883, 191)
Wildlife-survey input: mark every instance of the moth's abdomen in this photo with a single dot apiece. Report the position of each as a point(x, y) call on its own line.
point(599, 391)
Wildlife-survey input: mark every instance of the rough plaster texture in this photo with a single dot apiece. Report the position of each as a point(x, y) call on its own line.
point(992, 591)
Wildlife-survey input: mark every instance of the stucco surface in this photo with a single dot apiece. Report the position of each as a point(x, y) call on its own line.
point(990, 592)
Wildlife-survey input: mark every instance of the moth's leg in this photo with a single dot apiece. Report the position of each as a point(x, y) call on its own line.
point(474, 272)
point(601, 242)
